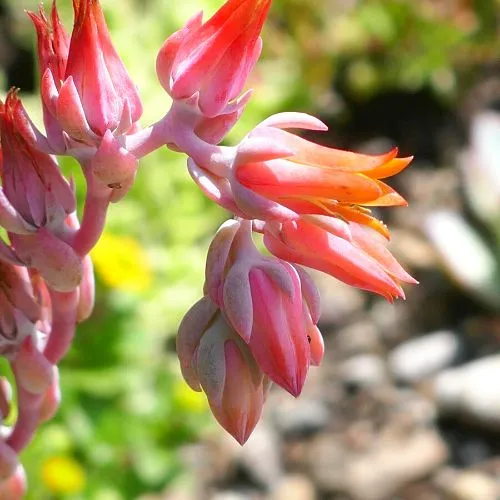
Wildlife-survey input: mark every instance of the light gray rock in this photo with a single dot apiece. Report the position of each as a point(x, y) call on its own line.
point(468, 485)
point(339, 302)
point(327, 459)
point(234, 495)
point(471, 391)
point(360, 337)
point(364, 371)
point(422, 357)
point(391, 461)
point(422, 410)
point(295, 487)
point(379, 474)
point(260, 456)
point(390, 319)
point(301, 416)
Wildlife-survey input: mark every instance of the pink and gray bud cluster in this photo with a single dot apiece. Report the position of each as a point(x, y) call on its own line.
point(257, 320)
point(257, 310)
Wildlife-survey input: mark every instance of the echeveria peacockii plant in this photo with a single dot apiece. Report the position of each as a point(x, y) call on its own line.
point(257, 320)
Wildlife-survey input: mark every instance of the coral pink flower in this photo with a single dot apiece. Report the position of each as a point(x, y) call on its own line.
point(267, 303)
point(97, 72)
point(313, 179)
point(213, 58)
point(351, 252)
point(214, 358)
point(85, 87)
point(275, 175)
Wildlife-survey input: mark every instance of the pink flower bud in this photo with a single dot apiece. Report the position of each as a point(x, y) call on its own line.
point(263, 301)
point(98, 73)
point(168, 51)
point(213, 357)
point(31, 180)
point(53, 45)
point(193, 326)
point(33, 371)
point(214, 58)
point(10, 219)
point(70, 113)
point(56, 261)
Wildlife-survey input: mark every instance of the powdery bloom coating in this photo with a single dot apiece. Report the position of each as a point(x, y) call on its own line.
point(350, 252)
point(214, 358)
point(263, 300)
point(214, 58)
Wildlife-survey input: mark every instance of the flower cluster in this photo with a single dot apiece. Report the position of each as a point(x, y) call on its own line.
point(257, 320)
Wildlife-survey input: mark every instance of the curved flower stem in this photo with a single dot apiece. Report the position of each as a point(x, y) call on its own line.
point(64, 308)
point(147, 140)
point(95, 211)
point(177, 131)
point(27, 418)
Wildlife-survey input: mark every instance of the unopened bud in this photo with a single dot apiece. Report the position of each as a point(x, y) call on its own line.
point(56, 261)
point(33, 370)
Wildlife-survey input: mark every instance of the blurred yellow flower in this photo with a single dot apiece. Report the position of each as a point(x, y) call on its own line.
point(188, 400)
point(63, 475)
point(122, 263)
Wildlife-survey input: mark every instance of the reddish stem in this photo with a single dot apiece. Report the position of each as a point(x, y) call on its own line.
point(94, 215)
point(64, 307)
point(27, 418)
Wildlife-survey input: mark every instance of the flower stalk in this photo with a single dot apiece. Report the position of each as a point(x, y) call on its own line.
point(257, 322)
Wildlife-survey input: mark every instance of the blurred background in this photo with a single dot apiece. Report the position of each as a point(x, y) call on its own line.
point(407, 402)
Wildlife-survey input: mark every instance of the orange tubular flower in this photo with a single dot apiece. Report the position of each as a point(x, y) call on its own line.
point(349, 252)
point(314, 179)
